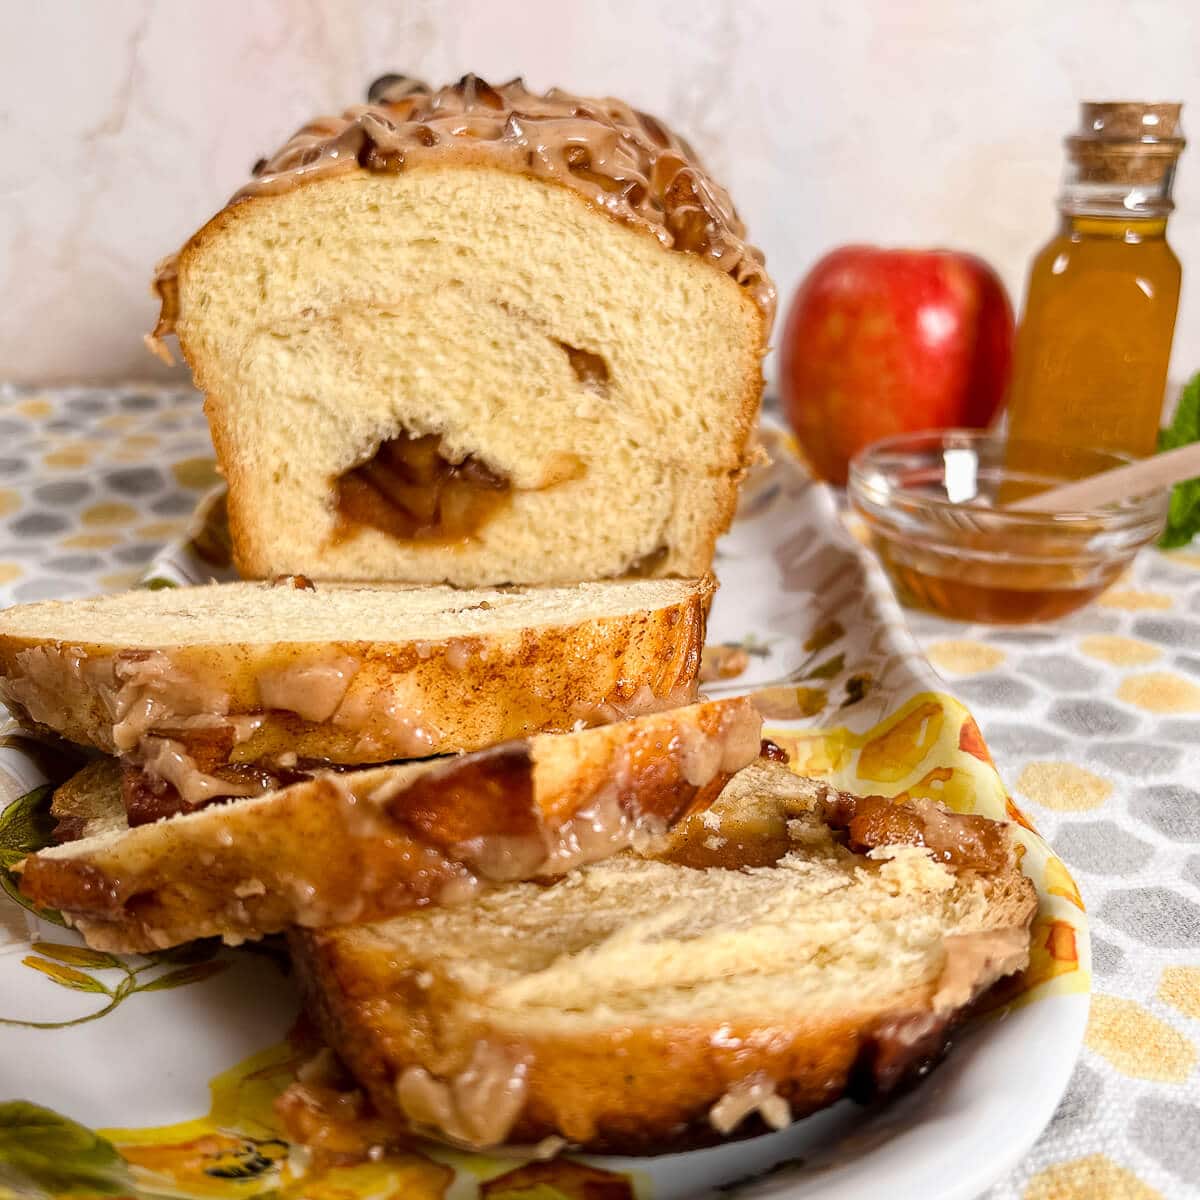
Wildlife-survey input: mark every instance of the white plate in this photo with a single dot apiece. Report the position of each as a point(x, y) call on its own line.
point(850, 697)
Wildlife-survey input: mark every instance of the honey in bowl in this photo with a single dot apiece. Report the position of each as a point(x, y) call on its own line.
point(933, 506)
point(986, 593)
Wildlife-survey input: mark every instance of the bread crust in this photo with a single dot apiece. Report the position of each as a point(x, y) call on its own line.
point(648, 1087)
point(365, 845)
point(631, 1091)
point(403, 699)
point(254, 553)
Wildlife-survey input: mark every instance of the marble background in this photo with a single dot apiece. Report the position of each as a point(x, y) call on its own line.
point(125, 124)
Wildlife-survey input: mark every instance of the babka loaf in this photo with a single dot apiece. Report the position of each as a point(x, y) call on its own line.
point(476, 335)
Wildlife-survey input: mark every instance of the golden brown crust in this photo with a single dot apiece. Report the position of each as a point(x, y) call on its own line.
point(628, 1090)
point(364, 845)
point(747, 419)
point(649, 1087)
point(621, 162)
point(403, 699)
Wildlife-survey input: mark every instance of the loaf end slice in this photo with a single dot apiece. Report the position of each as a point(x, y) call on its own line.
point(349, 674)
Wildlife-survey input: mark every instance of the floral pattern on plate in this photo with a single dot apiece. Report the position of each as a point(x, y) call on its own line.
point(803, 621)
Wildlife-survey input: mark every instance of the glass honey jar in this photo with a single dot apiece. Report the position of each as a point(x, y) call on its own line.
point(1092, 351)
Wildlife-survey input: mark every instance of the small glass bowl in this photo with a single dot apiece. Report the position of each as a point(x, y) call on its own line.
point(933, 507)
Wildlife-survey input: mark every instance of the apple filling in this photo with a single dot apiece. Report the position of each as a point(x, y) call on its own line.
point(410, 490)
point(648, 564)
point(590, 369)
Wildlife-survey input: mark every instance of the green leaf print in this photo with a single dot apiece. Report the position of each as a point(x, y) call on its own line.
point(25, 826)
point(66, 976)
point(56, 1155)
point(183, 976)
point(61, 966)
point(78, 956)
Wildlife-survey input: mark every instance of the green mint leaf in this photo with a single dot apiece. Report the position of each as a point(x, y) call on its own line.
point(1185, 424)
point(1183, 512)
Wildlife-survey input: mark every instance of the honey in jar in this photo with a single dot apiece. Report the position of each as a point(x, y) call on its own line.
point(1092, 351)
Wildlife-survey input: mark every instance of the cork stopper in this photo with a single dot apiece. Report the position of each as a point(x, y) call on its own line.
point(1126, 141)
point(1129, 120)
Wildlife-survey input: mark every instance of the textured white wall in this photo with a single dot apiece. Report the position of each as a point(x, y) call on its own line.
point(124, 124)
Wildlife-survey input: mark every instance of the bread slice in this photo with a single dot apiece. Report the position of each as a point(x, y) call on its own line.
point(778, 954)
point(362, 845)
point(452, 337)
point(350, 674)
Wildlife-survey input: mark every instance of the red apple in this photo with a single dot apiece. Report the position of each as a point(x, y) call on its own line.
point(879, 342)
